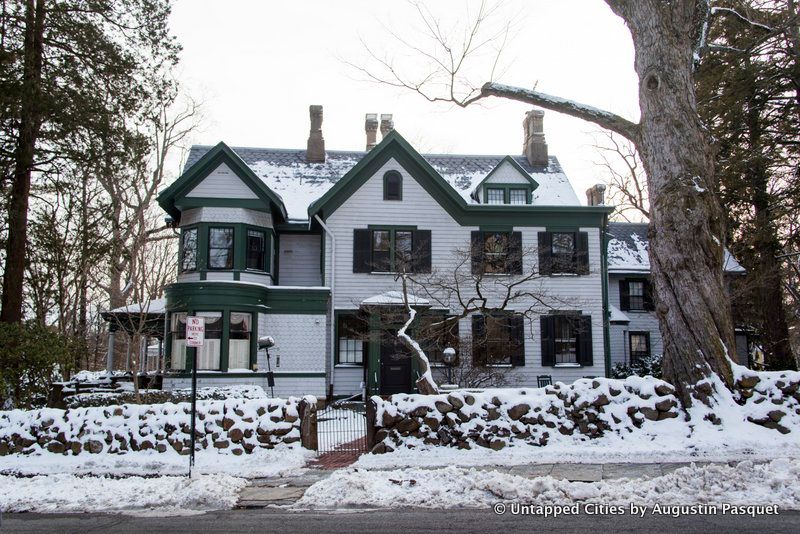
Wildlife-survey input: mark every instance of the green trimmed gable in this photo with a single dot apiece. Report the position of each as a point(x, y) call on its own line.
point(174, 198)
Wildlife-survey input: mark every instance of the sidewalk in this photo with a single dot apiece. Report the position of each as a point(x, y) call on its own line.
point(279, 491)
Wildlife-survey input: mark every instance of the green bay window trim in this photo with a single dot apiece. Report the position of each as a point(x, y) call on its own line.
point(189, 249)
point(496, 252)
point(229, 341)
point(563, 252)
point(636, 294)
point(498, 339)
point(221, 241)
point(507, 194)
point(241, 247)
point(392, 186)
point(639, 345)
point(566, 339)
point(381, 249)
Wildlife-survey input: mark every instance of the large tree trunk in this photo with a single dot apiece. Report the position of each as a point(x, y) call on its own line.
point(29, 125)
point(687, 223)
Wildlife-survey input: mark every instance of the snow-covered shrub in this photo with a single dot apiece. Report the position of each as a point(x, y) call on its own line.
point(152, 396)
point(31, 356)
point(646, 366)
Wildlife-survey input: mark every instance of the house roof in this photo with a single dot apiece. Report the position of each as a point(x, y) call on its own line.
point(617, 316)
point(298, 183)
point(627, 250)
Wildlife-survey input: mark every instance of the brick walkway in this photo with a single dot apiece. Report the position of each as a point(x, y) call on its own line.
point(343, 455)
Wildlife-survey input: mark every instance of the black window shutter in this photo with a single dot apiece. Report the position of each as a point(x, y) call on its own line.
point(362, 251)
point(548, 327)
point(624, 295)
point(517, 325)
point(514, 253)
point(476, 246)
point(421, 254)
point(648, 296)
point(647, 343)
point(545, 252)
point(582, 252)
point(478, 340)
point(585, 340)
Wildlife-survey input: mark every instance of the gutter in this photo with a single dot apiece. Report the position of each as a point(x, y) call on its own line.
point(606, 310)
point(332, 286)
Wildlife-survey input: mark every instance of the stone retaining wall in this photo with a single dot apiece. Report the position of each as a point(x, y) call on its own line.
point(770, 399)
point(588, 408)
point(234, 426)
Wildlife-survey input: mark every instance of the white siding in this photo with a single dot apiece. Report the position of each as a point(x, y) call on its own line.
point(640, 321)
point(347, 381)
point(367, 207)
point(222, 183)
point(299, 260)
point(299, 342)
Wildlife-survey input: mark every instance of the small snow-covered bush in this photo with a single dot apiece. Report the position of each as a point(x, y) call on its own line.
point(647, 366)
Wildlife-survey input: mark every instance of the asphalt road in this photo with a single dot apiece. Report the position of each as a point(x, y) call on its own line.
point(406, 521)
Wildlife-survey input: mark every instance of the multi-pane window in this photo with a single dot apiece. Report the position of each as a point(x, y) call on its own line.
point(208, 356)
point(495, 252)
point(256, 250)
point(639, 345)
point(498, 339)
point(352, 335)
point(220, 248)
point(636, 295)
point(563, 252)
point(495, 196)
point(381, 250)
point(403, 241)
point(239, 340)
point(393, 186)
point(392, 250)
point(517, 196)
point(177, 332)
point(566, 341)
point(189, 250)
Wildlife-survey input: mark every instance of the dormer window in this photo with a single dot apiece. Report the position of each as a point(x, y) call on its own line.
point(506, 194)
point(517, 196)
point(495, 196)
point(392, 186)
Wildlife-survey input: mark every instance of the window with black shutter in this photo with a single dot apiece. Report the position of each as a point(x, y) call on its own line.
point(436, 333)
point(385, 250)
point(563, 253)
point(566, 339)
point(498, 339)
point(635, 294)
point(496, 252)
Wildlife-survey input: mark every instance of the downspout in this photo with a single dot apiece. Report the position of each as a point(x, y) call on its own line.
point(332, 285)
point(606, 311)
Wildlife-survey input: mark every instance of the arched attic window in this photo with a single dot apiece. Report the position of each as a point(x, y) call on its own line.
point(392, 186)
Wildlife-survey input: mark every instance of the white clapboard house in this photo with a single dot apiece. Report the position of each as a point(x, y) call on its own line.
point(304, 245)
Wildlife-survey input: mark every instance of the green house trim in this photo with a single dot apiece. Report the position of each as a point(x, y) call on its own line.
point(173, 198)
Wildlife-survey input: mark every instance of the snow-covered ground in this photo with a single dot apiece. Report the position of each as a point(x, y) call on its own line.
point(164, 495)
point(279, 461)
point(773, 483)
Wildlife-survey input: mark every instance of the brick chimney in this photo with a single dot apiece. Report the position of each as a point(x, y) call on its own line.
point(534, 147)
point(387, 124)
point(371, 127)
point(596, 195)
point(315, 150)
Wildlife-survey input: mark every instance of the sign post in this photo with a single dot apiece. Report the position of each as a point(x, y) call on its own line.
point(195, 336)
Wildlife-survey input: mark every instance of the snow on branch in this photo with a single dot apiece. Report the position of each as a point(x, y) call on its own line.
point(732, 12)
point(602, 118)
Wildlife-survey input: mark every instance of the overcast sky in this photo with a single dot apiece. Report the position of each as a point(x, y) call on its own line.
point(258, 65)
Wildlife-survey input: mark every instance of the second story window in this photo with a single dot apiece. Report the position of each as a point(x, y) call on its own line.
point(189, 250)
point(635, 294)
point(563, 253)
point(385, 250)
point(392, 186)
point(518, 196)
point(220, 248)
point(256, 250)
point(495, 196)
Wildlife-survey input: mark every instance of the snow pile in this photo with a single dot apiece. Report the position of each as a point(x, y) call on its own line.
point(166, 495)
point(233, 426)
point(769, 398)
point(578, 412)
point(773, 483)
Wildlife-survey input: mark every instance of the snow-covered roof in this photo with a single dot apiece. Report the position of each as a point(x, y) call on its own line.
point(155, 307)
point(394, 298)
point(298, 183)
point(627, 250)
point(617, 315)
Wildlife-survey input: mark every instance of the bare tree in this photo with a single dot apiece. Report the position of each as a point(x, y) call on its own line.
point(626, 178)
point(686, 218)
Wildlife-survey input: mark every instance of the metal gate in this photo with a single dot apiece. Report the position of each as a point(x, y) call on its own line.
point(342, 428)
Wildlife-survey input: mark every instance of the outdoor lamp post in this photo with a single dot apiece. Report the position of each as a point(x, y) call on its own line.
point(449, 357)
point(265, 343)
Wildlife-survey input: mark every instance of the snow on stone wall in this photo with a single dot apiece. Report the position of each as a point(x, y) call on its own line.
point(585, 409)
point(233, 426)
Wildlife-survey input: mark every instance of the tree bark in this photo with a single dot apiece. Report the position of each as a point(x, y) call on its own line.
point(29, 126)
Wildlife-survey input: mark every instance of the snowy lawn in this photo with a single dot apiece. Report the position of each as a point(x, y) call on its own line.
point(744, 484)
point(161, 496)
point(279, 461)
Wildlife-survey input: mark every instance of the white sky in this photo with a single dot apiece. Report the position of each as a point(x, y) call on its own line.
point(258, 65)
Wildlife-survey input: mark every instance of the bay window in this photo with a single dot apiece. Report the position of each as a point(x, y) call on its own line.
point(208, 356)
point(178, 336)
point(256, 250)
point(220, 248)
point(241, 327)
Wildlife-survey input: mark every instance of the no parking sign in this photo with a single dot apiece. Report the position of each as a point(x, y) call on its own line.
point(195, 331)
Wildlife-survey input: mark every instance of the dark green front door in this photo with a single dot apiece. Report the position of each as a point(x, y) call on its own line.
point(395, 364)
